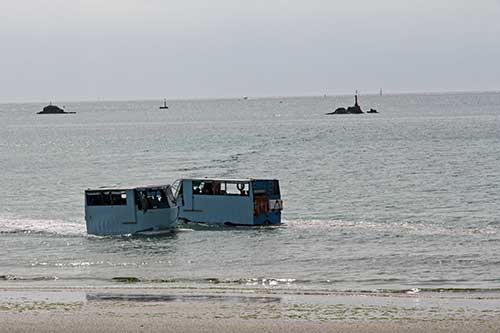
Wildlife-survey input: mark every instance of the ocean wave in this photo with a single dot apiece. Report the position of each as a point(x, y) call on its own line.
point(19, 225)
point(22, 225)
point(278, 284)
point(404, 227)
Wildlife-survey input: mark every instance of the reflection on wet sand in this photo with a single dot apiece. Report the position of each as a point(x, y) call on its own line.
point(180, 298)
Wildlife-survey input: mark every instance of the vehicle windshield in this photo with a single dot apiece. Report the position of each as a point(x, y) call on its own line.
point(176, 187)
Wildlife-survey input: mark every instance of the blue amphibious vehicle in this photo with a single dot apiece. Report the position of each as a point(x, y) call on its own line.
point(136, 210)
point(238, 202)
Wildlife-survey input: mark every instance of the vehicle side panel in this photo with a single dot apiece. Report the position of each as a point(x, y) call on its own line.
point(127, 219)
point(107, 220)
point(220, 209)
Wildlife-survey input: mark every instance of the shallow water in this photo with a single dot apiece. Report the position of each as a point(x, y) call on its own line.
point(404, 199)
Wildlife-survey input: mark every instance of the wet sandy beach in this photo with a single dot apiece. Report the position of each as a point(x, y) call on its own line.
point(172, 310)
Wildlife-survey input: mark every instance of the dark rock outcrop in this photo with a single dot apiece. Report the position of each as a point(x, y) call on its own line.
point(355, 109)
point(339, 111)
point(53, 109)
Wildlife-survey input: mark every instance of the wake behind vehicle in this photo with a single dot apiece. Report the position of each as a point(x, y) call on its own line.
point(136, 210)
point(236, 202)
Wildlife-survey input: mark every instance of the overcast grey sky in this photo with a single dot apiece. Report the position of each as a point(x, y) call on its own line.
point(134, 49)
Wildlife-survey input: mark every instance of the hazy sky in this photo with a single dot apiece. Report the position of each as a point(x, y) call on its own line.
point(134, 49)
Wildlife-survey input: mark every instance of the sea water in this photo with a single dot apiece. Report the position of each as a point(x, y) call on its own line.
point(407, 199)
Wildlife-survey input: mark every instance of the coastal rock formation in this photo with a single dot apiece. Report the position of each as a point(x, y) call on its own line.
point(53, 109)
point(339, 111)
point(356, 109)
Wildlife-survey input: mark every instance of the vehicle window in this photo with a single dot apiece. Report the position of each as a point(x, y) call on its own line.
point(237, 189)
point(207, 187)
point(197, 186)
point(179, 195)
point(108, 198)
point(213, 187)
point(177, 188)
point(152, 199)
point(170, 196)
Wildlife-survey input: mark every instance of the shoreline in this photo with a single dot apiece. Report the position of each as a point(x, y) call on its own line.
point(90, 309)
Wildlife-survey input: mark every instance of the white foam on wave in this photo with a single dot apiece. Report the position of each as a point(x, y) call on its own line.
point(13, 224)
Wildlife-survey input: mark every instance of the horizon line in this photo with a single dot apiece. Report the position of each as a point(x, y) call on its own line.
point(258, 97)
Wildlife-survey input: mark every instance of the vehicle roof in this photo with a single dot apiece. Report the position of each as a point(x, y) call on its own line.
point(125, 188)
point(228, 179)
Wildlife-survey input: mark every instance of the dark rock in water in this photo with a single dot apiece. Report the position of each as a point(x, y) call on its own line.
point(350, 110)
point(339, 111)
point(356, 109)
point(53, 109)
